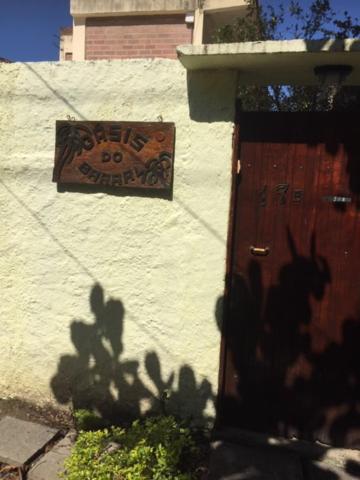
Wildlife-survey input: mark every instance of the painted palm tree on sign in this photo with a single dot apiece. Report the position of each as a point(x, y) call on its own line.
point(71, 140)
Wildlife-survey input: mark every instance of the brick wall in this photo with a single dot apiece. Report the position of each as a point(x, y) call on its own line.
point(135, 37)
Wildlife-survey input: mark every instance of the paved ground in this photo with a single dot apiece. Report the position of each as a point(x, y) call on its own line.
point(235, 462)
point(232, 461)
point(36, 452)
point(21, 441)
point(32, 450)
point(51, 464)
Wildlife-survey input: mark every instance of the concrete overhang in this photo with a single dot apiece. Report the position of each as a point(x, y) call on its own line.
point(221, 5)
point(274, 62)
point(99, 8)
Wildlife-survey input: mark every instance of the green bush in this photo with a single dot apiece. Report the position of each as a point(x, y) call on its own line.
point(87, 420)
point(154, 449)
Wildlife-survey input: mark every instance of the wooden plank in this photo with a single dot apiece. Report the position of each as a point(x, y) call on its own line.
point(115, 154)
point(293, 327)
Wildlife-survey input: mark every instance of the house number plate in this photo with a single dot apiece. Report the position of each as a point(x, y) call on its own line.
point(337, 199)
point(115, 154)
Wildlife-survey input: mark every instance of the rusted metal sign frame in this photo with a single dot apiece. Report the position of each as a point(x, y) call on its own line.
point(115, 154)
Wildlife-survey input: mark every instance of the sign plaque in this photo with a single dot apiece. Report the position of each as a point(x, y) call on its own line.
point(115, 154)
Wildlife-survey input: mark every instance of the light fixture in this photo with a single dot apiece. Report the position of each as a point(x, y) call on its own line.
point(189, 18)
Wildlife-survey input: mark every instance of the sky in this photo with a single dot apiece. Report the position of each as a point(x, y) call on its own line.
point(29, 29)
point(339, 6)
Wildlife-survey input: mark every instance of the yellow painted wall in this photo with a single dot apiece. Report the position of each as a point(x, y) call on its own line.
point(159, 264)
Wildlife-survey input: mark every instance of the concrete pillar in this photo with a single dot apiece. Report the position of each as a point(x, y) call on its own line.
point(79, 38)
point(198, 27)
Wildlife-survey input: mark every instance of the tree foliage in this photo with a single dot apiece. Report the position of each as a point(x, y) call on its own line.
point(293, 21)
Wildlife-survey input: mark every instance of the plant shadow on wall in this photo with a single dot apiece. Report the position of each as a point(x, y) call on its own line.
point(285, 385)
point(97, 379)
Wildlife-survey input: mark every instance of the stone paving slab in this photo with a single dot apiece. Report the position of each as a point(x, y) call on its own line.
point(230, 461)
point(51, 464)
point(21, 440)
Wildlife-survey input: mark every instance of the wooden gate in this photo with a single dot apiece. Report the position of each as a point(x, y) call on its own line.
point(291, 337)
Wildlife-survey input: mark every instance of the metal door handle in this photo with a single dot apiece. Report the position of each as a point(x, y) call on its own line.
point(261, 252)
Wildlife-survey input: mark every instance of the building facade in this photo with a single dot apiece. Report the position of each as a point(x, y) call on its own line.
point(113, 300)
point(66, 36)
point(142, 29)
